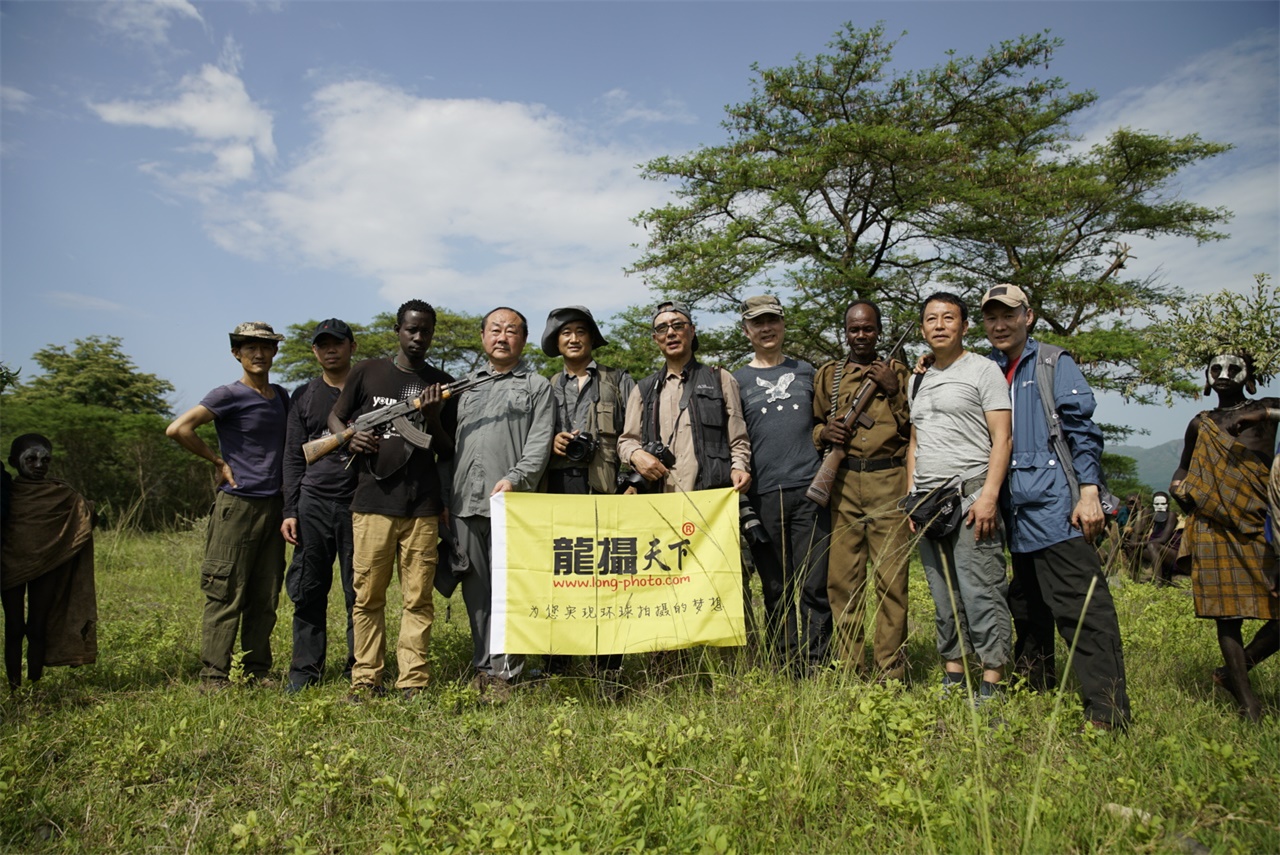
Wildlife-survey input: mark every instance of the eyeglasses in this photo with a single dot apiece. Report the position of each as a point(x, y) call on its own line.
point(677, 326)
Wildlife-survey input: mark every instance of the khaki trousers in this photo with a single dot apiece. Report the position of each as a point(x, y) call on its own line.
point(381, 541)
point(868, 532)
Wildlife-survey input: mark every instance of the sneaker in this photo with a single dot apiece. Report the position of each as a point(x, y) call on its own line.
point(988, 693)
point(952, 683)
point(292, 688)
point(262, 681)
point(408, 693)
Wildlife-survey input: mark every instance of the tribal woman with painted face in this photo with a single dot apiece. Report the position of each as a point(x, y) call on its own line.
point(1221, 482)
point(46, 567)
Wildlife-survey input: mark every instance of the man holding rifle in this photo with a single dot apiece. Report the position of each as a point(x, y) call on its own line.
point(777, 404)
point(398, 501)
point(867, 528)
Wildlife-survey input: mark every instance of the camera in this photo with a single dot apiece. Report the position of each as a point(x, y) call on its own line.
point(633, 479)
point(581, 448)
point(749, 521)
point(665, 456)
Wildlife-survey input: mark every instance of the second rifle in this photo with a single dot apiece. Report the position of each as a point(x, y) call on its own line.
point(396, 414)
point(819, 490)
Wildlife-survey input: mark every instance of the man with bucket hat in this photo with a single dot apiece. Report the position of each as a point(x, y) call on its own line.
point(244, 550)
point(590, 404)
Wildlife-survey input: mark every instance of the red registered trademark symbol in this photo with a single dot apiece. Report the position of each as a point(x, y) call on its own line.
point(688, 529)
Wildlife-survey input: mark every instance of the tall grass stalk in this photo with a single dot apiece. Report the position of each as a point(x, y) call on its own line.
point(1052, 726)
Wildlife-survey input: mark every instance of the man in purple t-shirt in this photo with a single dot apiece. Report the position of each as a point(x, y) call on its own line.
point(244, 550)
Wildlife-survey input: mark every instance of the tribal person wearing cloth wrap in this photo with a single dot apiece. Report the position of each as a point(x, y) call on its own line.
point(1221, 482)
point(46, 565)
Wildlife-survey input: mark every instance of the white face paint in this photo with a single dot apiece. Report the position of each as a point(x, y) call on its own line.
point(1229, 367)
point(33, 462)
point(1160, 503)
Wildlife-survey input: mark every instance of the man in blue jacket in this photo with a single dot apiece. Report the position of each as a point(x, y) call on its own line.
point(1050, 533)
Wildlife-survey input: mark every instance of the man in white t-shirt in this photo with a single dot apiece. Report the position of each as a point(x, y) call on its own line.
point(961, 427)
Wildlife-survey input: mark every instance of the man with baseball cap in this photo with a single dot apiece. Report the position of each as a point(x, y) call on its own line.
point(590, 402)
point(317, 509)
point(1050, 529)
point(777, 404)
point(244, 552)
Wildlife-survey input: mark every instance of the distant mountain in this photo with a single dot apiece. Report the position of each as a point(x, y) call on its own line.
point(1155, 465)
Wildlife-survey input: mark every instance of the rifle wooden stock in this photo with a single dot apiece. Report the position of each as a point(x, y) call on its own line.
point(317, 448)
point(819, 490)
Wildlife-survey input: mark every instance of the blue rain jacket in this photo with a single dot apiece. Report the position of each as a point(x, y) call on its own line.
point(1036, 499)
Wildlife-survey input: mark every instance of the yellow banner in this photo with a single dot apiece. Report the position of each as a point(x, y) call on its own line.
point(579, 575)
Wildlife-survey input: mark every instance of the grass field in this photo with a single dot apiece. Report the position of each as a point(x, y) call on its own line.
point(127, 755)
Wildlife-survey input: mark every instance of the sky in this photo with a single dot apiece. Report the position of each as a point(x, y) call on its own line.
point(170, 169)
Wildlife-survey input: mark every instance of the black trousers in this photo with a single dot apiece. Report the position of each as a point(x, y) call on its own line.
point(1049, 589)
point(793, 574)
point(324, 534)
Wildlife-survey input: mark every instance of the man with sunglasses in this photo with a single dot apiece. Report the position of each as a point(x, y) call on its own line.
point(692, 410)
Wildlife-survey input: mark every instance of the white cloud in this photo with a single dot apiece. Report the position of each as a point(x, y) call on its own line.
point(145, 21)
point(468, 202)
point(1228, 95)
point(13, 98)
point(213, 107)
point(1232, 96)
point(620, 108)
point(83, 302)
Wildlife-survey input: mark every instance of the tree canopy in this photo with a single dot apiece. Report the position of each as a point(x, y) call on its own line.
point(456, 347)
point(843, 180)
point(95, 372)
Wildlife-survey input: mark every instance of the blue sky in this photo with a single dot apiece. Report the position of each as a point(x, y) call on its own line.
point(171, 169)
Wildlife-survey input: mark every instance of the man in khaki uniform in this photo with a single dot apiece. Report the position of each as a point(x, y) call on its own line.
point(868, 531)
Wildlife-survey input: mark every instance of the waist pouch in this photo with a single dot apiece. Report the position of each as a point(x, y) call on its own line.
point(936, 512)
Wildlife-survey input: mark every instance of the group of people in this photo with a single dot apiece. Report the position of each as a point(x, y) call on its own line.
point(989, 452)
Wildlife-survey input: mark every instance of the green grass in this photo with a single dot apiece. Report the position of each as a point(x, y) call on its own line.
point(126, 755)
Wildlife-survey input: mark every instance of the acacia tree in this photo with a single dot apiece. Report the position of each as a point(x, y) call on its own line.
point(95, 372)
point(841, 181)
point(1056, 223)
point(456, 347)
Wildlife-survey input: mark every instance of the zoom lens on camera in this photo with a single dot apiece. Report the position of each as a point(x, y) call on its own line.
point(581, 448)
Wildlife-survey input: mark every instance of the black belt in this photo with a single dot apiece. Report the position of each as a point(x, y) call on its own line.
point(871, 464)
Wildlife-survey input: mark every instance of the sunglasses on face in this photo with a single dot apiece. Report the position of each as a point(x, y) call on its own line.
point(677, 326)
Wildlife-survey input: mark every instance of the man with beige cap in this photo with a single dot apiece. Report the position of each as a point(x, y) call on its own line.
point(1052, 513)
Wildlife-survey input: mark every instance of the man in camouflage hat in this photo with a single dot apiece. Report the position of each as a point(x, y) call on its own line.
point(244, 551)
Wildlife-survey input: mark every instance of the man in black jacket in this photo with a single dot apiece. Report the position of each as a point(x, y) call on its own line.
point(317, 509)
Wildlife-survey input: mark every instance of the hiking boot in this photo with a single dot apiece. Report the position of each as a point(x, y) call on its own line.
point(214, 685)
point(497, 689)
point(363, 693)
point(408, 693)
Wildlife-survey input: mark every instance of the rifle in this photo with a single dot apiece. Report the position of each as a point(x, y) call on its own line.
point(395, 414)
point(820, 489)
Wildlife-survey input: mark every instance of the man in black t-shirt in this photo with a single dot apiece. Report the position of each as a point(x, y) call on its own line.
point(398, 502)
point(317, 509)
